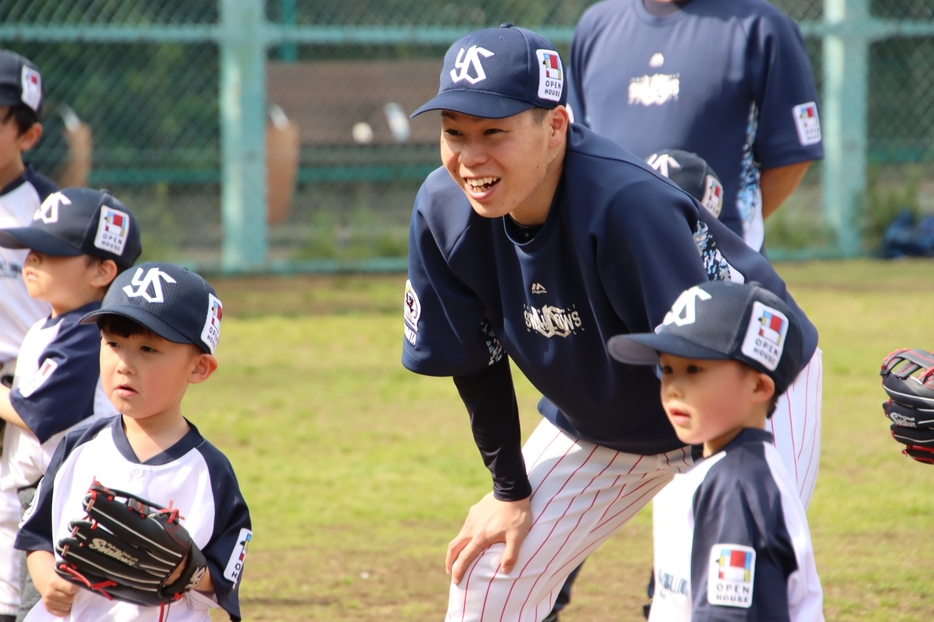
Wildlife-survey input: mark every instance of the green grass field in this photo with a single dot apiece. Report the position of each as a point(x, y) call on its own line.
point(358, 472)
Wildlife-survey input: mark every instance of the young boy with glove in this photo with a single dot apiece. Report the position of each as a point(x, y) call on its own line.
point(160, 325)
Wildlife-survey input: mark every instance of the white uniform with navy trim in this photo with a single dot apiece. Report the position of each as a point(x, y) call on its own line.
point(57, 386)
point(19, 200)
point(193, 474)
point(732, 541)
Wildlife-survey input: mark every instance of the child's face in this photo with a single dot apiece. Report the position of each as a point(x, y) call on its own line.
point(146, 376)
point(9, 133)
point(709, 402)
point(60, 281)
point(12, 143)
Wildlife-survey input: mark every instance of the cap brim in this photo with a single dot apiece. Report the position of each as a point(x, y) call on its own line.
point(644, 348)
point(9, 100)
point(37, 240)
point(141, 317)
point(476, 103)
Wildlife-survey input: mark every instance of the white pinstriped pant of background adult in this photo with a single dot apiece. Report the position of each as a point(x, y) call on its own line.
point(582, 493)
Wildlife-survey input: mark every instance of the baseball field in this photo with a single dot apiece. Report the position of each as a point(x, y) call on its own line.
point(358, 472)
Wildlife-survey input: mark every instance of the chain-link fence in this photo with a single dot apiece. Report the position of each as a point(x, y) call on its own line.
point(144, 76)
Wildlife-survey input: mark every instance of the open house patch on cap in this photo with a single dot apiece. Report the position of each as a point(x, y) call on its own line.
point(112, 230)
point(211, 333)
point(32, 88)
point(765, 335)
point(713, 196)
point(550, 75)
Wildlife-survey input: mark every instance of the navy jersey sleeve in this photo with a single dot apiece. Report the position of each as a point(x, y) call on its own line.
point(649, 248)
point(490, 398)
point(742, 552)
point(227, 549)
point(35, 530)
point(61, 393)
point(783, 85)
point(446, 330)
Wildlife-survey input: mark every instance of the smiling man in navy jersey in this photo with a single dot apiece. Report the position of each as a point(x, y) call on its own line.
point(537, 241)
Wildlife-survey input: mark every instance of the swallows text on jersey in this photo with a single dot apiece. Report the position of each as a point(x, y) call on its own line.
point(552, 321)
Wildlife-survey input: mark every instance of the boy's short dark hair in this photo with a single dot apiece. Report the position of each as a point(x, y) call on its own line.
point(24, 117)
point(123, 326)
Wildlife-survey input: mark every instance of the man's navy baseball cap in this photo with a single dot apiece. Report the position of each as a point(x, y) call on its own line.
point(692, 174)
point(500, 72)
point(723, 320)
point(174, 303)
point(80, 221)
point(20, 81)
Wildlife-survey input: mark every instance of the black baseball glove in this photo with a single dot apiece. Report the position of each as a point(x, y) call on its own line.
point(908, 378)
point(127, 548)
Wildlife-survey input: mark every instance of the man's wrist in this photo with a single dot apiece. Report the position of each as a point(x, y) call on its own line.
point(517, 492)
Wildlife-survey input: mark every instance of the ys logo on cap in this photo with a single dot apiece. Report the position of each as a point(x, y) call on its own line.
point(144, 283)
point(663, 163)
point(468, 61)
point(683, 311)
point(48, 211)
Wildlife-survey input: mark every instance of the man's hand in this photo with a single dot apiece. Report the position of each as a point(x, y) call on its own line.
point(57, 593)
point(488, 522)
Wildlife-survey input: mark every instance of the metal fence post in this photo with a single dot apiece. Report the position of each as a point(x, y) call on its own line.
point(243, 129)
point(846, 76)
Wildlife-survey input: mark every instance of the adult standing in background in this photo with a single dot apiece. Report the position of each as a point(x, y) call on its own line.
point(730, 81)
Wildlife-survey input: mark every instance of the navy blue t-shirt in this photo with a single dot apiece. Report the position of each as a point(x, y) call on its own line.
point(730, 81)
point(616, 250)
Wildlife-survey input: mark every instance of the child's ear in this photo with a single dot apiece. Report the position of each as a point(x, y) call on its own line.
point(105, 274)
point(30, 137)
point(205, 364)
point(764, 388)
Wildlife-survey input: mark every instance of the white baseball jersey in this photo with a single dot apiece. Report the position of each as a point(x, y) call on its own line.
point(19, 200)
point(732, 541)
point(193, 474)
point(56, 387)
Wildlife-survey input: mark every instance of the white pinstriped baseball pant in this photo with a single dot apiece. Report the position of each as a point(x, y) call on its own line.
point(582, 493)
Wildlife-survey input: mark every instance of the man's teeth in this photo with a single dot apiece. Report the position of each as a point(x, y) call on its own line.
point(482, 181)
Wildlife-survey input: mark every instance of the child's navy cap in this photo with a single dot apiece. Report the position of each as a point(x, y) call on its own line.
point(723, 320)
point(79, 221)
point(692, 173)
point(176, 304)
point(20, 81)
point(500, 72)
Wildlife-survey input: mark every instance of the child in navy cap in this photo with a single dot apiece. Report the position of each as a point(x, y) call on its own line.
point(22, 190)
point(159, 326)
point(78, 241)
point(731, 535)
